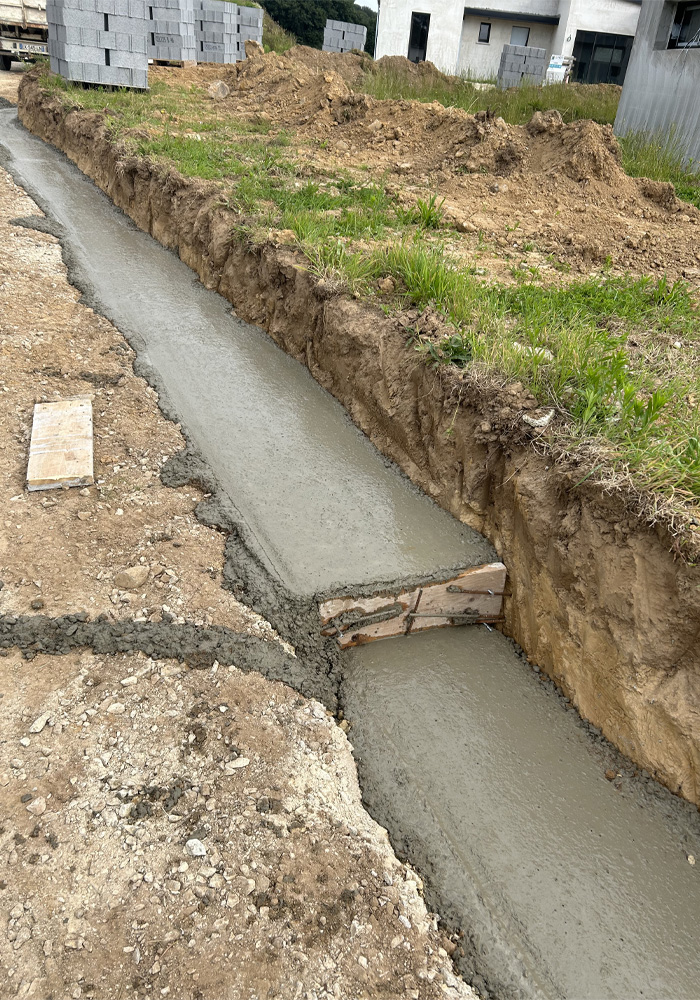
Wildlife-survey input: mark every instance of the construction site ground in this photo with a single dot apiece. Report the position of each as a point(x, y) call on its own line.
point(165, 831)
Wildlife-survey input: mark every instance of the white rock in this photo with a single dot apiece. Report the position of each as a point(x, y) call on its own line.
point(37, 806)
point(218, 90)
point(39, 723)
point(195, 848)
point(235, 765)
point(116, 708)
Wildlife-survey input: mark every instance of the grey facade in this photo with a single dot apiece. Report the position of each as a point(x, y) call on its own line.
point(171, 35)
point(99, 41)
point(521, 64)
point(662, 86)
point(340, 36)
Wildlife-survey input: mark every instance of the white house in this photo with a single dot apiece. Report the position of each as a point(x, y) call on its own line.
point(468, 39)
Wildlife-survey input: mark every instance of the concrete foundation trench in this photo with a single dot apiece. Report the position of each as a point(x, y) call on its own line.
point(562, 883)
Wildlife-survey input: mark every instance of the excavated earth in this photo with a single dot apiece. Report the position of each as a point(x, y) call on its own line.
point(600, 600)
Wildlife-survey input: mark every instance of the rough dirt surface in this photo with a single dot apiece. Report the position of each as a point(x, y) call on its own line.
point(62, 552)
point(594, 590)
point(546, 192)
point(194, 835)
point(9, 84)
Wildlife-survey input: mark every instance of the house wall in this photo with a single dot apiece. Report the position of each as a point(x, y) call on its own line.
point(615, 17)
point(662, 86)
point(443, 38)
point(452, 43)
point(480, 60)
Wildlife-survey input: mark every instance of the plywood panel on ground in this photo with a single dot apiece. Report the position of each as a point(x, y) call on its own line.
point(60, 452)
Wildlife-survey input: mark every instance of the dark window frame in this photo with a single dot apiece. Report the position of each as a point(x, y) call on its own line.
point(418, 36)
point(487, 25)
point(679, 24)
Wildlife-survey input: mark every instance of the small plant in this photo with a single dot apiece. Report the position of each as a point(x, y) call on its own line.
point(426, 214)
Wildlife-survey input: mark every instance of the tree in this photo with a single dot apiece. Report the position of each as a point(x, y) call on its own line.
point(306, 19)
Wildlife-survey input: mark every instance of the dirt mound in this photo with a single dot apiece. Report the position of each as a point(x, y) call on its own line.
point(560, 186)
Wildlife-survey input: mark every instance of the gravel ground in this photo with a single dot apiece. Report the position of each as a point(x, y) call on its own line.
point(171, 832)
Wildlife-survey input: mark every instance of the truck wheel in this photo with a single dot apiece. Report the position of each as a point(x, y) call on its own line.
point(5, 62)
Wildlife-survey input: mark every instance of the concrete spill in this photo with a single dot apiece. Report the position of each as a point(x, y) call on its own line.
point(565, 887)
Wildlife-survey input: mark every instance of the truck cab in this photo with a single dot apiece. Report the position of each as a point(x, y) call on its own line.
point(23, 31)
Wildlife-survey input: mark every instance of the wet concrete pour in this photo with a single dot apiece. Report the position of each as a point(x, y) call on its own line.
point(565, 887)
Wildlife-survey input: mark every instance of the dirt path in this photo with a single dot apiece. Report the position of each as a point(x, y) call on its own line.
point(9, 83)
point(110, 764)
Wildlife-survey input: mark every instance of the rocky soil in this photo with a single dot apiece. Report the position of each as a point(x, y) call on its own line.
point(169, 832)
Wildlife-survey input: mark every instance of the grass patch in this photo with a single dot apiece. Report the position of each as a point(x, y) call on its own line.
point(517, 106)
point(601, 351)
point(275, 38)
point(662, 158)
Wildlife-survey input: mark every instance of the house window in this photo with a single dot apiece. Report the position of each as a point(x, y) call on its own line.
point(418, 39)
point(685, 30)
point(519, 36)
point(484, 32)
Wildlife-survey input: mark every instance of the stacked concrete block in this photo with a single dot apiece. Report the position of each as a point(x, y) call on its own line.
point(341, 36)
point(250, 27)
point(216, 31)
point(171, 30)
point(521, 64)
point(99, 41)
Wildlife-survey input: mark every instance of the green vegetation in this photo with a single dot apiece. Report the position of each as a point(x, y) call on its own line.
point(616, 357)
point(306, 19)
point(662, 158)
point(516, 106)
point(275, 38)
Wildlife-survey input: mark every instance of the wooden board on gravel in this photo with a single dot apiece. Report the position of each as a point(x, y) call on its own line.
point(60, 452)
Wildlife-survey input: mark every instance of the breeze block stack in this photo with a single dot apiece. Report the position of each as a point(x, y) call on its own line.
point(250, 27)
point(521, 64)
point(171, 30)
point(341, 36)
point(216, 31)
point(99, 41)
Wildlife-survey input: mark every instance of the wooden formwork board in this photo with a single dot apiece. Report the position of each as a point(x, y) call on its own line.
point(473, 596)
point(60, 452)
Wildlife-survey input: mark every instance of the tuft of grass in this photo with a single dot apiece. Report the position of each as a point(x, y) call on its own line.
point(517, 106)
point(662, 157)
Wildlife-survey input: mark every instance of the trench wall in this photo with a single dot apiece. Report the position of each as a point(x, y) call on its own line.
point(598, 600)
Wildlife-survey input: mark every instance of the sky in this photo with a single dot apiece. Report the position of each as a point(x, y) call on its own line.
point(372, 4)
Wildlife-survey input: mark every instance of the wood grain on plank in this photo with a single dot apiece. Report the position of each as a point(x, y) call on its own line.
point(61, 448)
point(476, 592)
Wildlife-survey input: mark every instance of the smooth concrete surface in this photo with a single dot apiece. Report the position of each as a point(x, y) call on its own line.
point(573, 888)
point(662, 86)
point(322, 507)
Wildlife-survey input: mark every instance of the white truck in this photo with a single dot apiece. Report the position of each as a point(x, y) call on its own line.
point(23, 31)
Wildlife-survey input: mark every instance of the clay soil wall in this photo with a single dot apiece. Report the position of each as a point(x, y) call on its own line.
point(599, 601)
